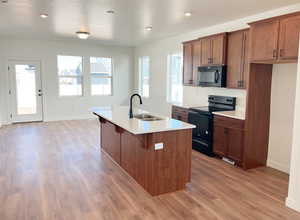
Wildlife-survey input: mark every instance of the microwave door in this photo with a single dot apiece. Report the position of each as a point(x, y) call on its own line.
point(208, 78)
point(217, 76)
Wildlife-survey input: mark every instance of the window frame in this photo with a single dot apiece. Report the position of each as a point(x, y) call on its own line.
point(111, 77)
point(140, 69)
point(169, 84)
point(70, 76)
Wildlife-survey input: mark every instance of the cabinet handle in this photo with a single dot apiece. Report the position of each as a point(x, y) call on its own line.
point(274, 53)
point(281, 53)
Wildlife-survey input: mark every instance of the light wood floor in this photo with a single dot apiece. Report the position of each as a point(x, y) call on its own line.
point(56, 171)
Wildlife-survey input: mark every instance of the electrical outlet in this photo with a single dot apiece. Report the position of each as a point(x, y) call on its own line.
point(159, 146)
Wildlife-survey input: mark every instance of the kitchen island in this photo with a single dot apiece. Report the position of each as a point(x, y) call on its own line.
point(156, 152)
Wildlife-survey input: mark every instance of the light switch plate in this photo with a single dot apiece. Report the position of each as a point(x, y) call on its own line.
point(159, 146)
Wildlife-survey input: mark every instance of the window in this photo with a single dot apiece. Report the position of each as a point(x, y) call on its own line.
point(101, 75)
point(70, 75)
point(144, 76)
point(174, 80)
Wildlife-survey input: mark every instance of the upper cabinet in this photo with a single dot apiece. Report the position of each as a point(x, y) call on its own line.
point(289, 38)
point(237, 59)
point(191, 62)
point(264, 40)
point(213, 50)
point(188, 63)
point(275, 40)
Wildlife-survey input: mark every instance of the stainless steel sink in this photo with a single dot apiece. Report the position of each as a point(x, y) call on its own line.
point(147, 117)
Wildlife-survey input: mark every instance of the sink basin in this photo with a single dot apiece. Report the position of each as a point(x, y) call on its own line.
point(147, 117)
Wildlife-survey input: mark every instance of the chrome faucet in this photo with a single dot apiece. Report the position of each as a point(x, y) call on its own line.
point(131, 98)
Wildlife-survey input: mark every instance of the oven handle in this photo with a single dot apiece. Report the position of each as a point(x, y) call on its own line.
point(217, 76)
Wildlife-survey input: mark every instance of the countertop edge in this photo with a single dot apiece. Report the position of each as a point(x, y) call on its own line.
point(229, 116)
point(148, 132)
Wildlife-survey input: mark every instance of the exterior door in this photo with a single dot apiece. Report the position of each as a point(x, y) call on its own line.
point(25, 91)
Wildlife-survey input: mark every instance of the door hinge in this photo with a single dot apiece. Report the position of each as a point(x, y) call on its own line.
point(10, 115)
point(8, 68)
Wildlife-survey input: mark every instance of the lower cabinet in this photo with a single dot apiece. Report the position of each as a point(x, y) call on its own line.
point(133, 155)
point(229, 138)
point(180, 113)
point(111, 140)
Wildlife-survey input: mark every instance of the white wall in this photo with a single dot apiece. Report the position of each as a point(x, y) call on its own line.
point(282, 116)
point(293, 200)
point(56, 108)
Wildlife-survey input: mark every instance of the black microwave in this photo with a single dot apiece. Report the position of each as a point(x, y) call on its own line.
point(212, 76)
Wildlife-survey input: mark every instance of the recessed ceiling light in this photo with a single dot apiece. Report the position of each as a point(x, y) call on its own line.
point(149, 28)
point(44, 15)
point(110, 12)
point(83, 35)
point(188, 14)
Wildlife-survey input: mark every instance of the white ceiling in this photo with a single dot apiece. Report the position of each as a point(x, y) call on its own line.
point(20, 18)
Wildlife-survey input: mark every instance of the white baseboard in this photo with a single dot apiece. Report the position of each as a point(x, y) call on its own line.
point(292, 203)
point(278, 166)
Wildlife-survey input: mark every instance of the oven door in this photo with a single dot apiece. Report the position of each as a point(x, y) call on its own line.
point(203, 123)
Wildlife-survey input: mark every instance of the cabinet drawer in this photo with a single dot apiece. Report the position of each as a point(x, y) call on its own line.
point(229, 122)
point(180, 113)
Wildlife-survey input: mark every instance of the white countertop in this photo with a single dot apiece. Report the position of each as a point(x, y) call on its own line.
point(185, 105)
point(232, 114)
point(119, 115)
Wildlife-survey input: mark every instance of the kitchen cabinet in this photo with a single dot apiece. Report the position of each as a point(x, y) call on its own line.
point(228, 140)
point(111, 140)
point(132, 154)
point(188, 79)
point(180, 113)
point(213, 50)
point(289, 38)
point(237, 59)
point(275, 40)
point(264, 40)
point(196, 59)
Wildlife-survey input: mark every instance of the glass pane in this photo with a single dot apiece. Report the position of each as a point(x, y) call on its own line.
point(69, 65)
point(100, 86)
point(70, 86)
point(101, 66)
point(144, 75)
point(25, 89)
point(175, 78)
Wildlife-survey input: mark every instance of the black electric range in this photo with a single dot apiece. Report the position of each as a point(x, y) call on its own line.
point(202, 117)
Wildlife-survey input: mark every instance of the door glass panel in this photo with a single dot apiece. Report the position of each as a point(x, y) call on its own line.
point(26, 89)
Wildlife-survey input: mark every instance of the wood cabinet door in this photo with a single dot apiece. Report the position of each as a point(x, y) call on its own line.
point(111, 140)
point(133, 155)
point(235, 59)
point(188, 64)
point(218, 48)
point(205, 52)
point(220, 140)
point(235, 144)
point(196, 60)
point(289, 38)
point(264, 39)
point(246, 61)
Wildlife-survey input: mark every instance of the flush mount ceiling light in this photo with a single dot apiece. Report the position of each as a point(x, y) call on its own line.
point(149, 28)
point(110, 12)
point(187, 14)
point(83, 35)
point(44, 15)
